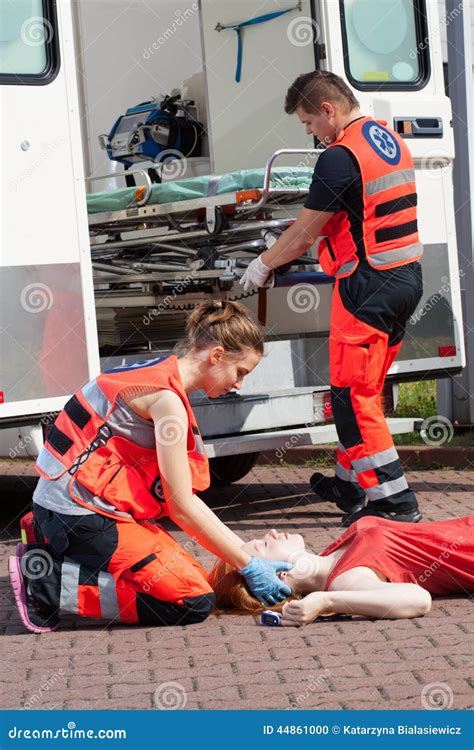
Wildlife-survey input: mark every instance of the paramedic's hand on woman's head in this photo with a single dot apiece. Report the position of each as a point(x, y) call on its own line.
point(261, 578)
point(256, 274)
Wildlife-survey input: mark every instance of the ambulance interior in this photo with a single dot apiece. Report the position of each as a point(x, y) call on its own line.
point(150, 269)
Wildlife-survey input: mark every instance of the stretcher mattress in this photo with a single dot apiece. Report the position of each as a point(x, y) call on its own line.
point(201, 187)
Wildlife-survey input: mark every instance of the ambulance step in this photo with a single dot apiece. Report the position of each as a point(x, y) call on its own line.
point(238, 413)
point(318, 435)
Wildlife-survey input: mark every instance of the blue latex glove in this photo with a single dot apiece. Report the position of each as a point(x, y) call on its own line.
point(260, 576)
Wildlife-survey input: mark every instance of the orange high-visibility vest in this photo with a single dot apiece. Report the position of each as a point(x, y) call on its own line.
point(389, 221)
point(121, 477)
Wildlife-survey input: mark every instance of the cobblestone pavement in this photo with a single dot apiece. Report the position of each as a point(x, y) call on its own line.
point(231, 662)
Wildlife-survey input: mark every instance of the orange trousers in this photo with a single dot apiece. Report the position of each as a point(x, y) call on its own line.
point(121, 571)
point(360, 356)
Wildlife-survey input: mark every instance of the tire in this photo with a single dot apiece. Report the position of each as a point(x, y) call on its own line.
point(228, 469)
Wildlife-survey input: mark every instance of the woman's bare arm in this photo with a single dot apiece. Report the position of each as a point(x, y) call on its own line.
point(387, 601)
point(378, 600)
point(188, 511)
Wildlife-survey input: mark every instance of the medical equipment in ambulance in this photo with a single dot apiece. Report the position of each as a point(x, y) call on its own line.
point(157, 131)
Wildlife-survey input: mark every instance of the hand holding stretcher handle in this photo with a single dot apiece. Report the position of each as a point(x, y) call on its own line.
point(257, 273)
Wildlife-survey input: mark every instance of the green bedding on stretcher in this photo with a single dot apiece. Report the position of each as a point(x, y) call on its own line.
point(201, 187)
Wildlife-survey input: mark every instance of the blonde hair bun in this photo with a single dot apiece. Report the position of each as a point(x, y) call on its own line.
point(221, 323)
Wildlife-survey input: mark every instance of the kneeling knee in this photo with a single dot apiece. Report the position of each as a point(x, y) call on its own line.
point(194, 609)
point(199, 607)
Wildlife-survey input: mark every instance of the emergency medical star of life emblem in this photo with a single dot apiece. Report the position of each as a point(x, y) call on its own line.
point(382, 142)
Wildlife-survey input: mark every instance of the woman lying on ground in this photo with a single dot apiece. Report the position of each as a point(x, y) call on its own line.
point(377, 568)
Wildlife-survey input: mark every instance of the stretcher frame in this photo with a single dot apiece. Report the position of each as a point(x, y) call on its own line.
point(245, 202)
point(229, 224)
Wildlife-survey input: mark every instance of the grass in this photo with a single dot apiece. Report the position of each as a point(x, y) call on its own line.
point(417, 400)
point(459, 439)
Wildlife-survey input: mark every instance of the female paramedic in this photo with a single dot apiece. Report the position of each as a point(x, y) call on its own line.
point(377, 568)
point(125, 451)
point(362, 201)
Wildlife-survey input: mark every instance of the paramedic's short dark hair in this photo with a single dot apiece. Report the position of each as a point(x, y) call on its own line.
point(310, 90)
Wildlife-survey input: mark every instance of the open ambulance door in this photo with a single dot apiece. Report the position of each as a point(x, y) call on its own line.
point(48, 330)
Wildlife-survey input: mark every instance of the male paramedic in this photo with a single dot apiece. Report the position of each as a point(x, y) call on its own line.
point(362, 201)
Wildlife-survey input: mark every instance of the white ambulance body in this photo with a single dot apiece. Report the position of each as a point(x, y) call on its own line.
point(69, 70)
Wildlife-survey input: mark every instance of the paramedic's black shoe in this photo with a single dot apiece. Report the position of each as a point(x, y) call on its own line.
point(411, 515)
point(329, 488)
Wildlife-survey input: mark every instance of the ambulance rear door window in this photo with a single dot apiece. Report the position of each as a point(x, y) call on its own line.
point(385, 43)
point(29, 49)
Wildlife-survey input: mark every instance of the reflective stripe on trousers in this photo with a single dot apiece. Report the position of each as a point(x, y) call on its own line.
point(344, 469)
point(380, 491)
point(105, 590)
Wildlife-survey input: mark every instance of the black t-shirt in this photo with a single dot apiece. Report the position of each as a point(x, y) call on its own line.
point(337, 186)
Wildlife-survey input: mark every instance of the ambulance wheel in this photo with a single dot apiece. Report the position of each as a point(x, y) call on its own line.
point(228, 469)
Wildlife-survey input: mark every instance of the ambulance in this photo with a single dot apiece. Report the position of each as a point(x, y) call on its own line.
point(146, 158)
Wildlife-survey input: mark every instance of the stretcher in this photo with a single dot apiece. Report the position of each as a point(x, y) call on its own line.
point(170, 244)
point(236, 187)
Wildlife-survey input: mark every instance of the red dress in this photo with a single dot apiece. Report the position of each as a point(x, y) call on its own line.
point(439, 556)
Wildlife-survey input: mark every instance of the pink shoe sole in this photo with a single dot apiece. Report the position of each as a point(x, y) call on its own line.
point(18, 585)
point(21, 549)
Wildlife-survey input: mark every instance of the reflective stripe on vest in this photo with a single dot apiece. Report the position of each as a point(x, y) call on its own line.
point(95, 503)
point(96, 397)
point(402, 177)
point(198, 442)
point(346, 268)
point(402, 254)
point(49, 464)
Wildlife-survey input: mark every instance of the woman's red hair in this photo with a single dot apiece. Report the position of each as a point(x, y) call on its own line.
point(232, 593)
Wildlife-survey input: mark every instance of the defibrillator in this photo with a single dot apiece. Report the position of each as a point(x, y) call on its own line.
point(156, 131)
